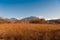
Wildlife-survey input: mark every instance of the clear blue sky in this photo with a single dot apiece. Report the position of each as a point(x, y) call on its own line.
point(25, 8)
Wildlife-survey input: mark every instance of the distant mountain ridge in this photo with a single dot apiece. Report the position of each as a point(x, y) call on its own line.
point(55, 21)
point(13, 19)
point(30, 18)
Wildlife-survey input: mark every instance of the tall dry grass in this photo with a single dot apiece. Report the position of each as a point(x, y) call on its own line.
point(29, 31)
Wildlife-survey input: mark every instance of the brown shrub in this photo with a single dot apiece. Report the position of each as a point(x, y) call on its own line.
point(39, 21)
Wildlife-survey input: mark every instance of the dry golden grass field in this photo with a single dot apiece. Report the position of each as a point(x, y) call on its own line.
point(29, 31)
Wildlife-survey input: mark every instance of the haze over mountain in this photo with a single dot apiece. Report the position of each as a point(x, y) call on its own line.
point(30, 18)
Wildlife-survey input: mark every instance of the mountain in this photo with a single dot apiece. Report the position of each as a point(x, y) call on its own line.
point(13, 19)
point(33, 19)
point(30, 18)
point(55, 21)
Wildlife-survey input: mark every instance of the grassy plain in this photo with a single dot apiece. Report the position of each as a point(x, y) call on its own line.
point(29, 31)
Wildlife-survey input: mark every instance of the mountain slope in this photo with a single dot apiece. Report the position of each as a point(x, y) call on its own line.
point(30, 18)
